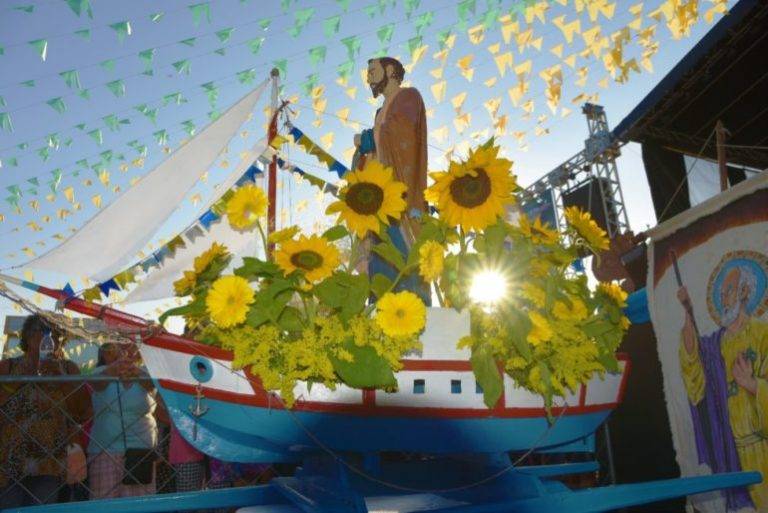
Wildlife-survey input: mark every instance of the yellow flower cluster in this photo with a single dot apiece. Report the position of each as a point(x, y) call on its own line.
point(587, 228)
point(187, 283)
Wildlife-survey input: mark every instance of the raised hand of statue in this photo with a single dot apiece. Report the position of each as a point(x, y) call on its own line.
point(357, 140)
point(744, 375)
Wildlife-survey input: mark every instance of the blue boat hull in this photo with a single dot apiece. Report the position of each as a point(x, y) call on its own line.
point(238, 432)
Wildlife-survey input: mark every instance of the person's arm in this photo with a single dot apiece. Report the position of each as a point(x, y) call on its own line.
point(691, 369)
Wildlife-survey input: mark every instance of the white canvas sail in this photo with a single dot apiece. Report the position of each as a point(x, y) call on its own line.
point(109, 240)
point(159, 283)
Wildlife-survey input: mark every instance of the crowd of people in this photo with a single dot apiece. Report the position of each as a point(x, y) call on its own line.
point(72, 440)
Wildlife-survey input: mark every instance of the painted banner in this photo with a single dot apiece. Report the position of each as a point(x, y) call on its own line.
point(708, 296)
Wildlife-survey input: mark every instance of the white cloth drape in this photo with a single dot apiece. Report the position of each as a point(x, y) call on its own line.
point(109, 240)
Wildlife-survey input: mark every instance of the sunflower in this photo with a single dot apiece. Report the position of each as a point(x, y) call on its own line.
point(228, 300)
point(474, 194)
point(541, 331)
point(614, 291)
point(203, 260)
point(401, 314)
point(314, 255)
point(577, 311)
point(536, 231)
point(185, 285)
point(587, 228)
point(246, 206)
point(370, 198)
point(431, 259)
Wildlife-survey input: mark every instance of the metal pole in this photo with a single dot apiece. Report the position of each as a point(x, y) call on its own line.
point(609, 450)
point(272, 175)
point(721, 132)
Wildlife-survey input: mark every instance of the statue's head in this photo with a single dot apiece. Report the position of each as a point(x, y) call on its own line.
point(737, 289)
point(381, 70)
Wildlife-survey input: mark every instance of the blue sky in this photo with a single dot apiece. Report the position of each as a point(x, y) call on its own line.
point(102, 59)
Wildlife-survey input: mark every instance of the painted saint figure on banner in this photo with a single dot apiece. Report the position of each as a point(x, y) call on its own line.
point(725, 374)
point(398, 139)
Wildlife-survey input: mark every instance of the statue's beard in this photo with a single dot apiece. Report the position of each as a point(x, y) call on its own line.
point(730, 314)
point(378, 87)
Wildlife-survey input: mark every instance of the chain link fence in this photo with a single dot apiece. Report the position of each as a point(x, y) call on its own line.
point(68, 438)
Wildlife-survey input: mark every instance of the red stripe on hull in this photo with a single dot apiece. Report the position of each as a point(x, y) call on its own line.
point(263, 401)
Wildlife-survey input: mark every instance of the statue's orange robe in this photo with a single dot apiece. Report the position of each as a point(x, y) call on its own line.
point(400, 133)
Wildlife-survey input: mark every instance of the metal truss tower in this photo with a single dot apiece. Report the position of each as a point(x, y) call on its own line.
point(594, 167)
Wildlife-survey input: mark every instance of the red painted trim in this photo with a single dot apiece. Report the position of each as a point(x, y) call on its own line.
point(369, 397)
point(436, 365)
point(263, 401)
point(582, 395)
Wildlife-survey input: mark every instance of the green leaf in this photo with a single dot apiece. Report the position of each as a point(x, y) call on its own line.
point(390, 253)
point(270, 302)
point(345, 293)
point(253, 268)
point(367, 370)
point(380, 284)
point(335, 233)
point(487, 374)
point(196, 307)
point(214, 269)
point(290, 319)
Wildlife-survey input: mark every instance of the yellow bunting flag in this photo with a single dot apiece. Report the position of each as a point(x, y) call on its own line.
point(568, 29)
point(503, 62)
point(494, 48)
point(438, 90)
point(327, 140)
point(440, 134)
point(491, 82)
point(436, 73)
point(104, 177)
point(476, 34)
point(458, 100)
point(557, 50)
point(492, 106)
point(92, 294)
point(351, 92)
point(34, 226)
point(461, 123)
point(96, 200)
point(508, 27)
point(465, 62)
point(343, 115)
point(69, 193)
point(537, 11)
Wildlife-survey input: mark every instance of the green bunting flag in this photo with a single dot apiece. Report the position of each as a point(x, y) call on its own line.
point(214, 115)
point(182, 67)
point(147, 56)
point(345, 69)
point(161, 136)
point(5, 122)
point(189, 42)
point(44, 153)
point(200, 10)
point(189, 127)
point(14, 190)
point(80, 6)
point(414, 44)
point(34, 181)
point(2, 50)
point(123, 29)
point(57, 104)
point(176, 98)
point(23, 146)
point(410, 6)
point(331, 26)
point(353, 46)
point(84, 33)
point(265, 23)
point(2, 102)
point(490, 18)
point(28, 83)
point(55, 180)
point(117, 87)
point(108, 65)
point(84, 94)
point(53, 141)
point(29, 9)
point(344, 4)
point(41, 45)
point(255, 44)
point(302, 18)
point(12, 161)
point(385, 33)
point(464, 8)
point(71, 78)
point(224, 34)
point(442, 37)
point(282, 66)
point(246, 76)
point(284, 5)
point(151, 114)
point(154, 18)
point(220, 51)
point(310, 83)
point(113, 122)
point(317, 55)
point(370, 11)
point(96, 136)
point(80, 126)
point(212, 92)
point(423, 21)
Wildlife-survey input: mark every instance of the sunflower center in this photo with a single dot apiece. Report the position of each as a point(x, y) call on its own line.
point(400, 313)
point(471, 191)
point(365, 198)
point(307, 260)
point(250, 212)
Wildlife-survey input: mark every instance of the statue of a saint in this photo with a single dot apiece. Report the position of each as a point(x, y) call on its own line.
point(398, 139)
